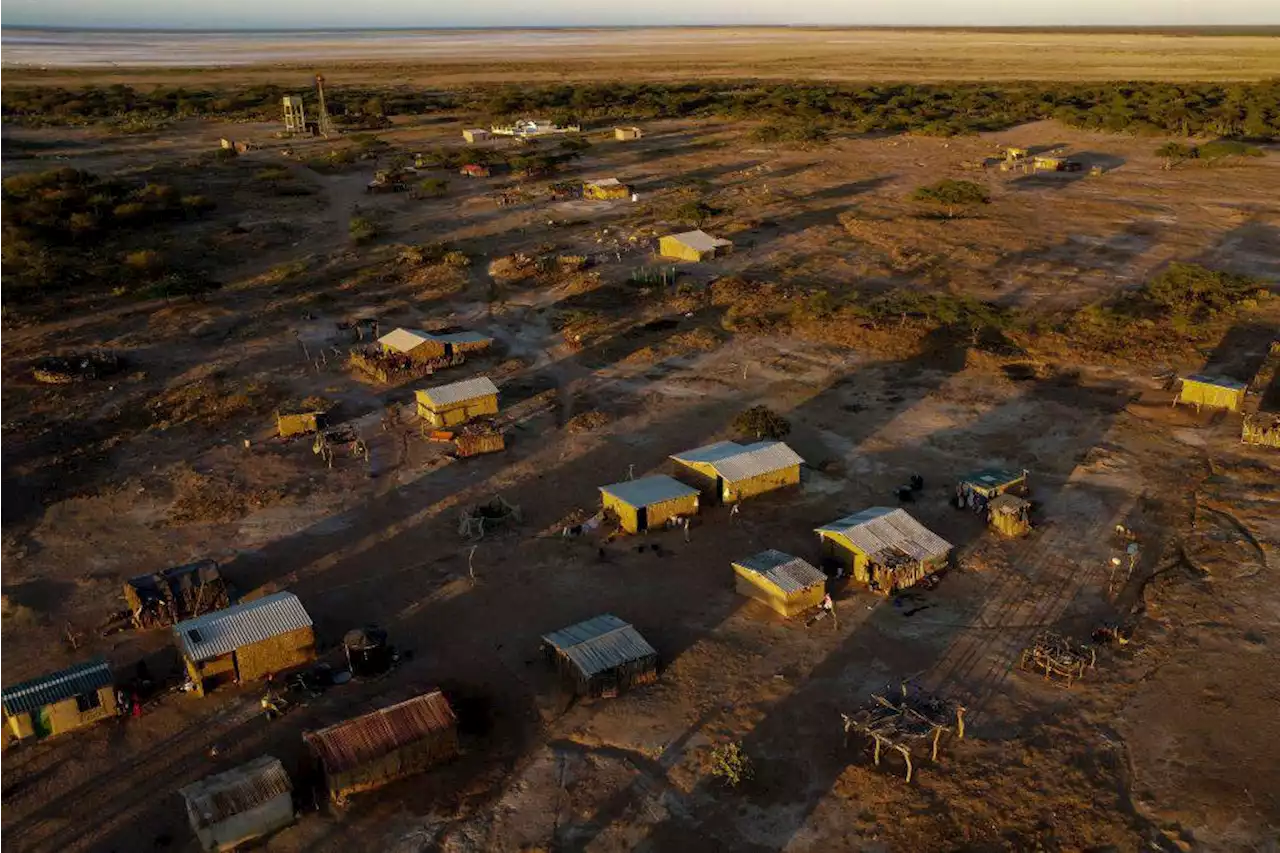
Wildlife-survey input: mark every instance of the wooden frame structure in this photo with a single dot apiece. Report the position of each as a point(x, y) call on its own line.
point(1058, 658)
point(903, 724)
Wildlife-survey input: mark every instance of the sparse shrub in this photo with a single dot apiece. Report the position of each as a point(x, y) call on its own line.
point(952, 195)
point(730, 764)
point(144, 260)
point(224, 155)
point(762, 422)
point(456, 259)
point(572, 263)
point(272, 174)
point(1220, 148)
point(799, 132)
point(695, 212)
point(363, 229)
point(433, 187)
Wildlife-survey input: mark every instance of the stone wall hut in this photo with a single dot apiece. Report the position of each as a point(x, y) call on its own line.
point(244, 803)
point(60, 701)
point(693, 246)
point(728, 472)
point(247, 642)
point(647, 503)
point(884, 548)
point(458, 402)
point(787, 584)
point(601, 657)
point(372, 750)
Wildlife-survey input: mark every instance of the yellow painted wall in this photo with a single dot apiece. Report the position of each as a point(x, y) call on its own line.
point(670, 247)
point(604, 193)
point(764, 483)
point(422, 352)
point(300, 424)
point(657, 513)
point(834, 545)
point(258, 660)
point(753, 585)
point(1009, 525)
point(457, 413)
point(1204, 394)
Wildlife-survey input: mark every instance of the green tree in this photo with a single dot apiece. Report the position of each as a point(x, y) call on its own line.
point(762, 422)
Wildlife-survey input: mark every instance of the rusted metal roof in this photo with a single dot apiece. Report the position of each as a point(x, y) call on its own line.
point(881, 530)
point(224, 631)
point(600, 644)
point(357, 741)
point(459, 392)
point(224, 795)
point(790, 574)
point(88, 677)
point(1007, 504)
point(763, 457)
point(649, 490)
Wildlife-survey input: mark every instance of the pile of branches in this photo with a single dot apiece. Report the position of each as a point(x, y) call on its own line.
point(1058, 658)
point(477, 520)
point(906, 722)
point(76, 367)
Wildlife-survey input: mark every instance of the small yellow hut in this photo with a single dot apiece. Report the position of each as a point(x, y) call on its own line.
point(728, 471)
point(1010, 515)
point(787, 584)
point(417, 345)
point(1217, 392)
point(457, 402)
point(885, 548)
point(246, 642)
point(647, 503)
point(60, 701)
point(605, 189)
point(627, 133)
point(693, 246)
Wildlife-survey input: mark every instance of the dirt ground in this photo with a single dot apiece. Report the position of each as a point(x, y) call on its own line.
point(1170, 744)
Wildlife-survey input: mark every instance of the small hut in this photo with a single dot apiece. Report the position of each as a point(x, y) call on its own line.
point(977, 489)
point(780, 581)
point(177, 593)
point(247, 642)
point(605, 189)
point(1010, 515)
point(602, 657)
point(649, 502)
point(458, 402)
point(475, 170)
point(885, 548)
point(60, 701)
point(244, 803)
point(419, 346)
point(462, 342)
point(292, 423)
point(625, 134)
point(693, 246)
point(1217, 392)
point(372, 750)
point(475, 134)
point(1054, 163)
point(728, 472)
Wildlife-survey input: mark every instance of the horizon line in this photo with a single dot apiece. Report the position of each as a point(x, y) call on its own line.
point(1119, 28)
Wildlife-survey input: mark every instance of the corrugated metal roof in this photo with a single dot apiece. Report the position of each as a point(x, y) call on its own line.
point(604, 182)
point(404, 340)
point(990, 478)
point(701, 240)
point(87, 677)
point(360, 740)
point(226, 630)
point(788, 573)
point(649, 490)
point(756, 459)
point(1219, 381)
point(600, 644)
point(709, 453)
point(1007, 503)
point(881, 529)
point(459, 392)
point(461, 338)
point(224, 795)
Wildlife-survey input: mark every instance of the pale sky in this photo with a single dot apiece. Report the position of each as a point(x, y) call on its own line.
point(247, 14)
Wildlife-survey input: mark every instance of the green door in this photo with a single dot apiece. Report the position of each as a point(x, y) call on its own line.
point(42, 721)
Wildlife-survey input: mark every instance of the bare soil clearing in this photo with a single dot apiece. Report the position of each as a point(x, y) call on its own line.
point(1169, 744)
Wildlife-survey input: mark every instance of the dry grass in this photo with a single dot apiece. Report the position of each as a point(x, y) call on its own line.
point(215, 499)
point(209, 401)
point(833, 54)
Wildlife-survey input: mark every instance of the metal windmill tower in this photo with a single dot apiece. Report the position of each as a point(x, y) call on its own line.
point(323, 123)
